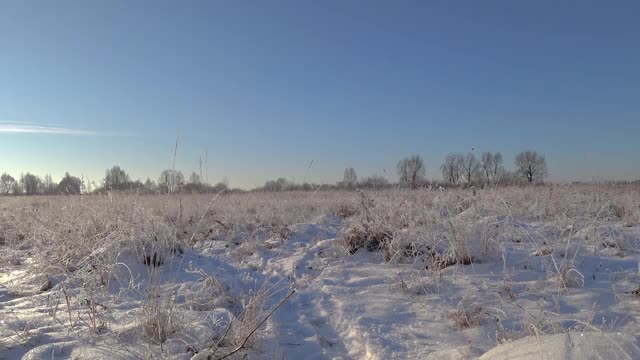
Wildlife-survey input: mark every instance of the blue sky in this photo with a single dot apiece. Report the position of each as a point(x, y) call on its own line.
point(266, 87)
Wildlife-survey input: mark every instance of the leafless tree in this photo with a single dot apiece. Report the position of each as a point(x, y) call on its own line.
point(492, 168)
point(411, 171)
point(115, 178)
point(7, 183)
point(470, 168)
point(350, 178)
point(531, 166)
point(150, 185)
point(17, 188)
point(222, 186)
point(31, 183)
point(271, 185)
point(70, 185)
point(48, 186)
point(281, 184)
point(452, 168)
point(374, 182)
point(195, 179)
point(170, 179)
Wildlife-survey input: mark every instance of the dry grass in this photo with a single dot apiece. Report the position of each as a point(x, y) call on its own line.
point(466, 316)
point(85, 246)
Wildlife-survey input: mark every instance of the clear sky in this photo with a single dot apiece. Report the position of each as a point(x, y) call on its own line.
point(269, 86)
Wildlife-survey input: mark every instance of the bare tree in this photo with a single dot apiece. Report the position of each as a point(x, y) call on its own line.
point(115, 178)
point(374, 182)
point(222, 186)
point(411, 171)
point(350, 178)
point(7, 183)
point(452, 168)
point(492, 168)
point(281, 184)
point(470, 168)
point(531, 166)
point(17, 188)
point(48, 186)
point(70, 185)
point(31, 183)
point(498, 169)
point(150, 185)
point(270, 185)
point(195, 179)
point(510, 178)
point(171, 179)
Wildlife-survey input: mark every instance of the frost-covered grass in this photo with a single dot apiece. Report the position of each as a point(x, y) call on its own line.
point(390, 274)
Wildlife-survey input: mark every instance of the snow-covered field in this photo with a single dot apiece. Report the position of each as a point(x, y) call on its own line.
point(507, 273)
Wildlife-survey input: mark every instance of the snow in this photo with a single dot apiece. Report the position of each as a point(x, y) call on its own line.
point(352, 307)
point(576, 346)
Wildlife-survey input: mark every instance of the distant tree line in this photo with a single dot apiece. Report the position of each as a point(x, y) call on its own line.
point(457, 170)
point(115, 179)
point(351, 183)
point(30, 184)
point(169, 181)
point(467, 170)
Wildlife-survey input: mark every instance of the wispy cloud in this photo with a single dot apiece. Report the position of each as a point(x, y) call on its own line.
point(33, 128)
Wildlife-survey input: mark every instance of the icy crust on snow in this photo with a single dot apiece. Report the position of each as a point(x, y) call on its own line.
point(569, 346)
point(352, 307)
